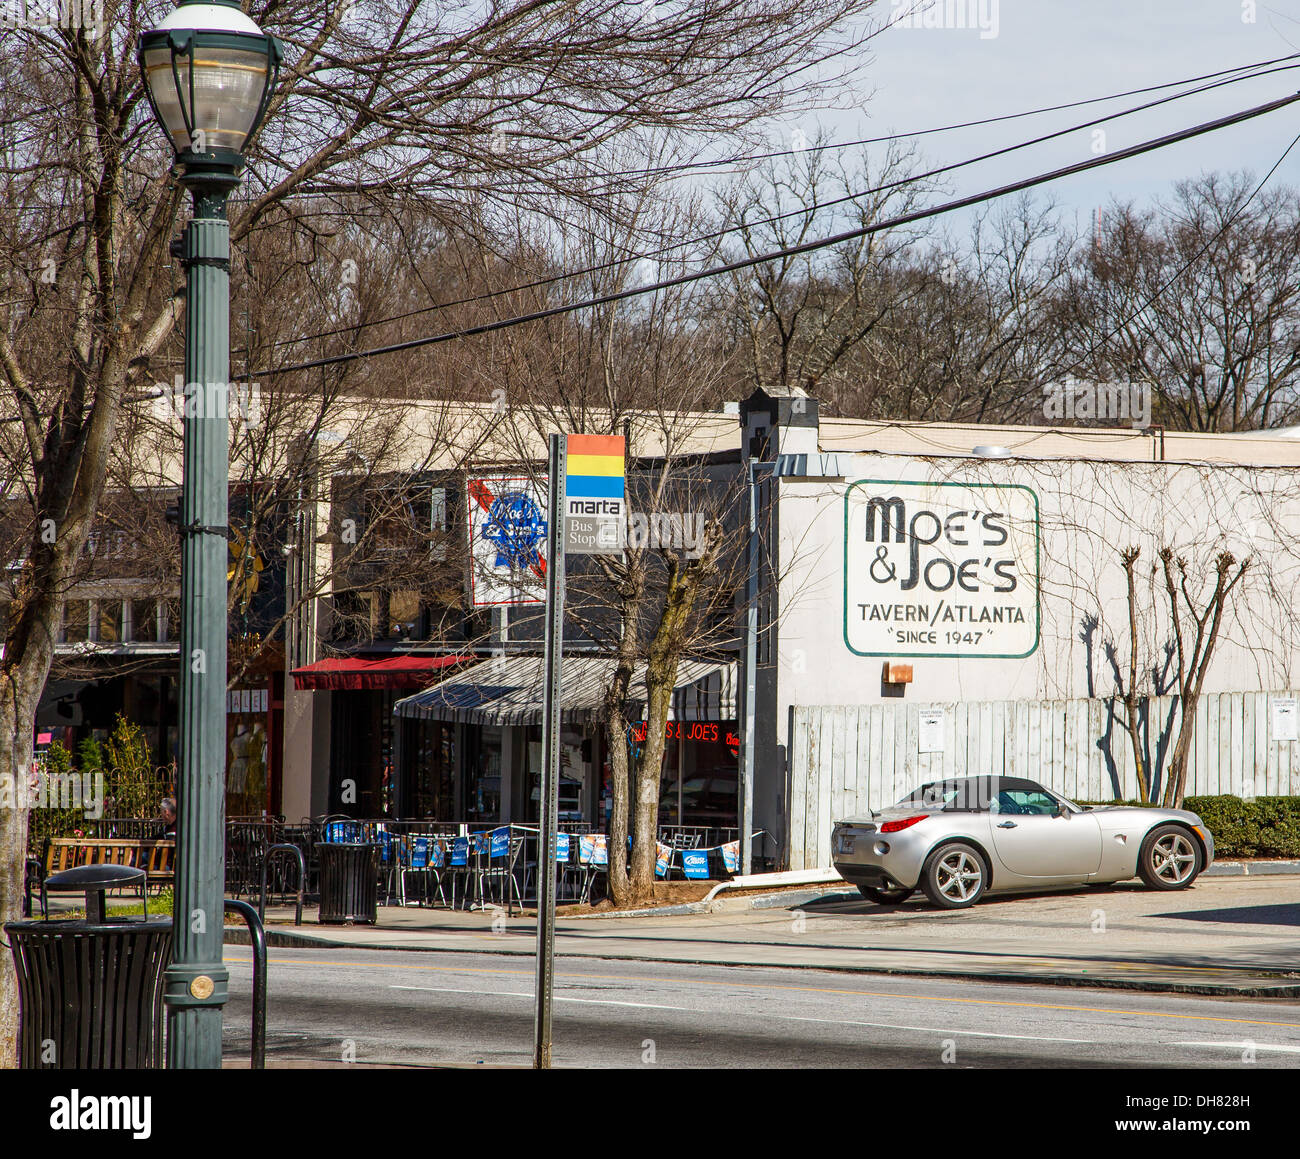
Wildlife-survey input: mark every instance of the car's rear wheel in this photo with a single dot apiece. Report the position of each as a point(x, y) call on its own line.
point(1170, 858)
point(884, 896)
point(955, 876)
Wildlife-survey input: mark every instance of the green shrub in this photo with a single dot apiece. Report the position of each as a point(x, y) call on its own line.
point(53, 822)
point(1258, 827)
point(1254, 827)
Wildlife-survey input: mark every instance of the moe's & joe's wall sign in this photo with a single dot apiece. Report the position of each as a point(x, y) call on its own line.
point(940, 569)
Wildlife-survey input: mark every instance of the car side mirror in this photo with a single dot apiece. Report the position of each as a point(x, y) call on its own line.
point(1062, 809)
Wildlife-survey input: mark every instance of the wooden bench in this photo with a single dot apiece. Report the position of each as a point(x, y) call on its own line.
point(154, 855)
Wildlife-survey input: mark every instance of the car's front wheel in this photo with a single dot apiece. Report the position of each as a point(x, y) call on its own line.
point(1170, 858)
point(955, 876)
point(884, 896)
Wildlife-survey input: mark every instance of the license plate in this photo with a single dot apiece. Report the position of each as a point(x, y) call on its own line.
point(844, 843)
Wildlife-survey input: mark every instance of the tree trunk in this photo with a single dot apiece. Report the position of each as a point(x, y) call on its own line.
point(1177, 778)
point(20, 691)
point(13, 848)
point(616, 730)
point(661, 677)
point(1130, 558)
point(645, 827)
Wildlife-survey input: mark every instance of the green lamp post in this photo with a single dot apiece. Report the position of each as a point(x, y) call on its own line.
point(209, 71)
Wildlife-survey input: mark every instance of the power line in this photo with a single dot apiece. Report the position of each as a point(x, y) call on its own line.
point(806, 247)
point(717, 234)
point(747, 158)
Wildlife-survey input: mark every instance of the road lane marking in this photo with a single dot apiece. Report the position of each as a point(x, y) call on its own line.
point(735, 983)
point(1242, 1046)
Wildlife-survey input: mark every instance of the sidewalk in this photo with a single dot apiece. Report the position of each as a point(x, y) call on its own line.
point(1229, 935)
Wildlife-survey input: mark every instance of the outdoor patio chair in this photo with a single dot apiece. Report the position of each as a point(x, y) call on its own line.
point(479, 845)
point(494, 871)
point(437, 868)
point(459, 866)
point(390, 848)
point(567, 871)
point(413, 858)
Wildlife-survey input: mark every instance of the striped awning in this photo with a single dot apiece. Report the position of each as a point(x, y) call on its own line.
point(507, 690)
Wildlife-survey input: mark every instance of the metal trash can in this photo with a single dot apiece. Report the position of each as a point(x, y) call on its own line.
point(349, 882)
point(90, 992)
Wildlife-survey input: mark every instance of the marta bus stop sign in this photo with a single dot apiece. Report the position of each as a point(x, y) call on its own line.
point(594, 502)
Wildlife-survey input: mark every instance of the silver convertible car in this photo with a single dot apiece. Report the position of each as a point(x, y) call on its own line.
point(959, 839)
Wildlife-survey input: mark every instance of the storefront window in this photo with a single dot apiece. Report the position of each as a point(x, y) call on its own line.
point(246, 754)
point(699, 779)
point(575, 759)
point(429, 748)
point(483, 800)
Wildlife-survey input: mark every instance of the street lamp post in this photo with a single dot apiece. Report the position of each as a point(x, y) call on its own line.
point(209, 71)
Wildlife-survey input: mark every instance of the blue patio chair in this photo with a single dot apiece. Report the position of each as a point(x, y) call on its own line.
point(437, 867)
point(564, 862)
point(389, 860)
point(417, 863)
point(495, 873)
point(459, 865)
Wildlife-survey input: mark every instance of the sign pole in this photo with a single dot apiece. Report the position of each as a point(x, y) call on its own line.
point(751, 684)
point(550, 795)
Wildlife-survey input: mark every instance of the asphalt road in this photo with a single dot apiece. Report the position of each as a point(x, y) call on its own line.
point(336, 1005)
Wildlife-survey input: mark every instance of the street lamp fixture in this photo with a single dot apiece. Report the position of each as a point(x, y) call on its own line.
point(209, 71)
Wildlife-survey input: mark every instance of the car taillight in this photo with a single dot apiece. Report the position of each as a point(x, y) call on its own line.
point(905, 823)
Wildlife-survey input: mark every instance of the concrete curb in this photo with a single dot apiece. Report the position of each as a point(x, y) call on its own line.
point(1251, 868)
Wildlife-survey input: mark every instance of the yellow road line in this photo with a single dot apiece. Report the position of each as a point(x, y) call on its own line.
point(791, 989)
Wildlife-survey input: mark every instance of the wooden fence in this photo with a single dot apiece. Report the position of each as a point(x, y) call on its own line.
point(847, 759)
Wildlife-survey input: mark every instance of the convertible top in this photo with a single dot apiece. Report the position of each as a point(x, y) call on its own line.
point(969, 794)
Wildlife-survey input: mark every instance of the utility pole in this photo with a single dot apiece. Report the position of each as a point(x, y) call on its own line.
point(550, 793)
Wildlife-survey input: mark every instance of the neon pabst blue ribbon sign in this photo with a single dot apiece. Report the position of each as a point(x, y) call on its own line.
point(516, 527)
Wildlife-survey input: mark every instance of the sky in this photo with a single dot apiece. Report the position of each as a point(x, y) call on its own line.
point(1023, 54)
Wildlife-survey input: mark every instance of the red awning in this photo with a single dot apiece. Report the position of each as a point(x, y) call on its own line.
point(351, 672)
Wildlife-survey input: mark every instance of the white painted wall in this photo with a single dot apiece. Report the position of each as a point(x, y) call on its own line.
point(1088, 510)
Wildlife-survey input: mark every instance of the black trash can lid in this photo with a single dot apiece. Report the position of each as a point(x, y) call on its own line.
point(84, 877)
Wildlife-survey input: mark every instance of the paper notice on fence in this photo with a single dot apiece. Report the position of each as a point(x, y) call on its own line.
point(931, 730)
point(1284, 718)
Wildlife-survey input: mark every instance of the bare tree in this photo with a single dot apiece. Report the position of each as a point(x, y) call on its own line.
point(798, 320)
point(1199, 297)
point(1194, 643)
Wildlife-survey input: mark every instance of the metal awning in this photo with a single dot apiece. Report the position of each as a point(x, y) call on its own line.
point(507, 690)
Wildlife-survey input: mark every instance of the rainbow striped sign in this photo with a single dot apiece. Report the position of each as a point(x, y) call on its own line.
point(594, 504)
